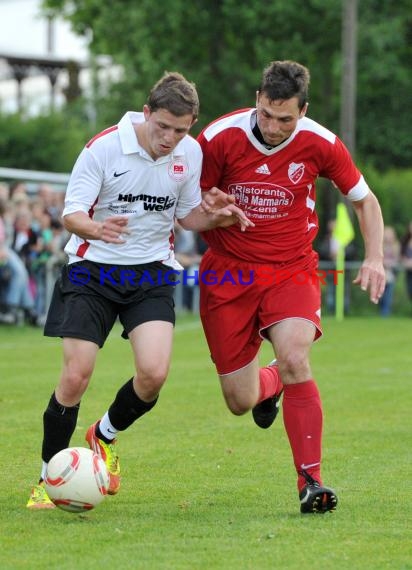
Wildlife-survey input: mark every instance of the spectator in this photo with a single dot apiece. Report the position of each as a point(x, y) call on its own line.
point(40, 251)
point(5, 316)
point(44, 254)
point(7, 215)
point(18, 191)
point(31, 234)
point(24, 237)
point(406, 258)
point(16, 295)
point(52, 201)
point(37, 209)
point(4, 192)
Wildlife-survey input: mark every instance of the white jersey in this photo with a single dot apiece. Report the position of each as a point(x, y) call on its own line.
point(115, 176)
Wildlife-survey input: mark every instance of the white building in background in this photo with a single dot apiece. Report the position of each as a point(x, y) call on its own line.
point(26, 33)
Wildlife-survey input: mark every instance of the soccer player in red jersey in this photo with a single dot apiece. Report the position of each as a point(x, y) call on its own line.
point(267, 160)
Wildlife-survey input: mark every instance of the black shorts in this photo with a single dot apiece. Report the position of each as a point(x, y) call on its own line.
point(89, 296)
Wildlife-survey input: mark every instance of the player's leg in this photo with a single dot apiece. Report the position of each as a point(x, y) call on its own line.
point(302, 410)
point(84, 322)
point(152, 347)
point(271, 388)
point(241, 388)
point(149, 327)
point(244, 389)
point(229, 313)
point(234, 352)
point(151, 344)
point(60, 415)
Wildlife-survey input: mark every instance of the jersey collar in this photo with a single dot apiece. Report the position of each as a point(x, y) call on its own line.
point(127, 134)
point(128, 138)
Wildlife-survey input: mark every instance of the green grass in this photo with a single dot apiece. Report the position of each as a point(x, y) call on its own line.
point(205, 490)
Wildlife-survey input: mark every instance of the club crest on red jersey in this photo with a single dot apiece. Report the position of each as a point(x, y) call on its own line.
point(296, 171)
point(178, 169)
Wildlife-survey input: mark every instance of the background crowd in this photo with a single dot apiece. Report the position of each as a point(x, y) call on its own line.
point(32, 239)
point(31, 234)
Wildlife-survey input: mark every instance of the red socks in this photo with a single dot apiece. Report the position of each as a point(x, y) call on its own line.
point(270, 383)
point(302, 416)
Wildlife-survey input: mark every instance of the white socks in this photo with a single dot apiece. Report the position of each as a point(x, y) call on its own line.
point(106, 428)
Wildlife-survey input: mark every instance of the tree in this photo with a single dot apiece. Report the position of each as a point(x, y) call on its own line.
point(385, 82)
point(46, 142)
point(223, 45)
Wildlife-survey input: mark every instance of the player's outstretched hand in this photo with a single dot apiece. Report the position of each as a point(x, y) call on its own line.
point(215, 199)
point(230, 215)
point(371, 276)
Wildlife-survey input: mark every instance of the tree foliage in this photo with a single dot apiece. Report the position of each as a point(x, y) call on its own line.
point(223, 45)
point(385, 82)
point(46, 142)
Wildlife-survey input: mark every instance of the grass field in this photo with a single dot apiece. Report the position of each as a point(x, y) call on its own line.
point(204, 490)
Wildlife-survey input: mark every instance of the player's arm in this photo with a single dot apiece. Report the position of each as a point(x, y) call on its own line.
point(214, 199)
point(217, 203)
point(221, 211)
point(371, 275)
point(340, 168)
point(200, 220)
point(111, 230)
point(213, 165)
point(82, 194)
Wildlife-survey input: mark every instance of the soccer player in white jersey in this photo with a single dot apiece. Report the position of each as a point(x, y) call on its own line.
point(127, 187)
point(267, 159)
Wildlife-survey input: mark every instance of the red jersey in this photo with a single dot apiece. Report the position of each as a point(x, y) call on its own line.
point(275, 187)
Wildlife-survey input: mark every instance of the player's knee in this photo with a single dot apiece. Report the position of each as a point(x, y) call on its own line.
point(151, 379)
point(237, 410)
point(73, 383)
point(238, 405)
point(293, 364)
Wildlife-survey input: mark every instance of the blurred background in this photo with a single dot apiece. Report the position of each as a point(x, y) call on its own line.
point(69, 68)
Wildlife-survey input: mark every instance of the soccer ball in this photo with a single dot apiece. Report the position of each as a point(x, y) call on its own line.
point(77, 479)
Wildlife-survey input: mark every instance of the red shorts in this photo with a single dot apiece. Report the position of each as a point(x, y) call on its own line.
point(239, 300)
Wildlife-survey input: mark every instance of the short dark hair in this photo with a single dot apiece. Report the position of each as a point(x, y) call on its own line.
point(285, 79)
point(176, 94)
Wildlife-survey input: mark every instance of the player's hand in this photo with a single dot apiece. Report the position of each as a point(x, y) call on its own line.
point(371, 276)
point(113, 229)
point(230, 215)
point(215, 199)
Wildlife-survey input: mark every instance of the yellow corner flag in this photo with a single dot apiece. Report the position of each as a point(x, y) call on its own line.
point(344, 234)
